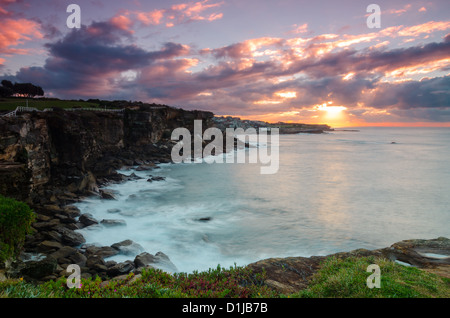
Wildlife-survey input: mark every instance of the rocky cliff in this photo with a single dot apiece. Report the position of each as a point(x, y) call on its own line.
point(55, 158)
point(45, 155)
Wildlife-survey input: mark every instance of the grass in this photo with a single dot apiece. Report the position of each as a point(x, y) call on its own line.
point(337, 278)
point(42, 103)
point(346, 278)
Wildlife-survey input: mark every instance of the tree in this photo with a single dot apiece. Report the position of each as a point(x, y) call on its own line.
point(20, 89)
point(28, 90)
point(6, 91)
point(8, 84)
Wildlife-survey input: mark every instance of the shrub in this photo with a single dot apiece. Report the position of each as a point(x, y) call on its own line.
point(15, 223)
point(153, 283)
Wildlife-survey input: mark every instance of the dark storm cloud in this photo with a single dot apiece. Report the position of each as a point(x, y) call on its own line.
point(91, 55)
point(427, 93)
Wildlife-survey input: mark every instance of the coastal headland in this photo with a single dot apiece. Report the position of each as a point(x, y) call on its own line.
point(53, 159)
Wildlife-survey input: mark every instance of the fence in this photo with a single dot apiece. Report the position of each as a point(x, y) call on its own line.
point(22, 109)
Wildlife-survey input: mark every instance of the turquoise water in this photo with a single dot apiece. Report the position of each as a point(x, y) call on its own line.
point(333, 192)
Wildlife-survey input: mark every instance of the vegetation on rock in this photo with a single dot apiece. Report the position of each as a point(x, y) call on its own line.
point(15, 223)
point(339, 278)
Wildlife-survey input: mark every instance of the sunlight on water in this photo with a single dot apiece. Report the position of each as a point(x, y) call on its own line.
point(333, 192)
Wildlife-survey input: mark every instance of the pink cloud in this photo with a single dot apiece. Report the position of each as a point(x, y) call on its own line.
point(180, 13)
point(122, 22)
point(428, 27)
point(398, 11)
point(194, 9)
point(215, 16)
point(15, 32)
point(153, 17)
point(300, 28)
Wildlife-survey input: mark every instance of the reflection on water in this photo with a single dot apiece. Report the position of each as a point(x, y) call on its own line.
point(333, 192)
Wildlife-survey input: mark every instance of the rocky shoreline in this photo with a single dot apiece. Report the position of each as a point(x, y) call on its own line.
point(291, 274)
point(57, 244)
point(54, 160)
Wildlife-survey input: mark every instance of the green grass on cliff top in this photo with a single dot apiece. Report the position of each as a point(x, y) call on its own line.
point(10, 104)
point(337, 278)
point(347, 278)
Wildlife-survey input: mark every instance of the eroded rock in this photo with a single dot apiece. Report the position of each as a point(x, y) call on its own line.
point(128, 247)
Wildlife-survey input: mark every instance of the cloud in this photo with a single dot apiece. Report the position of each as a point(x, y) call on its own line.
point(299, 29)
point(123, 22)
point(154, 17)
point(16, 32)
point(180, 14)
point(89, 61)
point(428, 27)
point(426, 93)
point(398, 12)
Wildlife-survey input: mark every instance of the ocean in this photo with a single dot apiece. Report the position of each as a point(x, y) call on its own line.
point(333, 192)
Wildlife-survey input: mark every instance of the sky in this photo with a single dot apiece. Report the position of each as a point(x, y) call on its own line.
point(288, 60)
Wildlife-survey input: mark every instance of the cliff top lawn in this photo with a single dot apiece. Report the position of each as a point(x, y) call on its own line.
point(11, 103)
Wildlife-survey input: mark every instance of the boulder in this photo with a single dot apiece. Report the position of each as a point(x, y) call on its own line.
point(132, 177)
point(128, 247)
point(42, 226)
point(65, 219)
point(103, 252)
point(39, 269)
point(155, 178)
point(94, 260)
point(52, 236)
point(49, 246)
point(78, 259)
point(72, 211)
point(163, 262)
point(51, 209)
point(120, 269)
point(70, 237)
point(63, 252)
point(87, 219)
point(287, 275)
point(113, 222)
point(159, 260)
point(144, 259)
point(107, 194)
point(144, 168)
point(421, 253)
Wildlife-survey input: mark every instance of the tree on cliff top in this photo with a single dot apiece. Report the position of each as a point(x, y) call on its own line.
point(20, 89)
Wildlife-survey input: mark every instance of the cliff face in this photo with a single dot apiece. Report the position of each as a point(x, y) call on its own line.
point(43, 154)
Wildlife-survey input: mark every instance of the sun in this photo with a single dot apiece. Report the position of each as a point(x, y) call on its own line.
point(332, 112)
